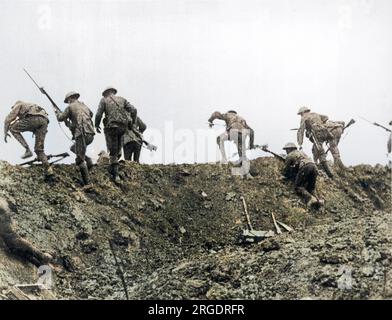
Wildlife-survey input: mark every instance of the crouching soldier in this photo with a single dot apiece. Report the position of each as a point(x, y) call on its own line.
point(300, 168)
point(119, 116)
point(133, 141)
point(78, 115)
point(28, 117)
point(237, 130)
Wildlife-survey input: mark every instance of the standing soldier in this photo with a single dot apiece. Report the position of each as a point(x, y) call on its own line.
point(82, 128)
point(236, 130)
point(133, 141)
point(28, 117)
point(300, 168)
point(119, 116)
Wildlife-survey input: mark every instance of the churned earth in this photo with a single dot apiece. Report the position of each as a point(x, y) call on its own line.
point(173, 232)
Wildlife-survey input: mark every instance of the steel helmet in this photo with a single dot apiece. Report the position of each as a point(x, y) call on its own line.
point(290, 145)
point(109, 88)
point(232, 111)
point(303, 109)
point(71, 94)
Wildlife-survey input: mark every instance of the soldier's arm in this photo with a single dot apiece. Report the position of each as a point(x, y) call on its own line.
point(99, 114)
point(63, 116)
point(132, 110)
point(13, 115)
point(216, 115)
point(390, 144)
point(142, 125)
point(300, 133)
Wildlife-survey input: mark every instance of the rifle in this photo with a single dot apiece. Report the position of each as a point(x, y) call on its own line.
point(265, 149)
point(377, 125)
point(55, 107)
point(61, 156)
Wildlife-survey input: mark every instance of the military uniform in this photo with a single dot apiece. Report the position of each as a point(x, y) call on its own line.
point(319, 130)
point(119, 116)
point(82, 128)
point(133, 142)
point(303, 171)
point(16, 244)
point(28, 117)
point(336, 129)
point(237, 130)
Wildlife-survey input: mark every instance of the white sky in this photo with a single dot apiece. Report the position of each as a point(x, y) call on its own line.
point(178, 61)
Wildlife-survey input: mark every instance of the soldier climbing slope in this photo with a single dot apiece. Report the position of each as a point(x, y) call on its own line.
point(319, 130)
point(28, 117)
point(303, 171)
point(236, 130)
point(120, 115)
point(133, 141)
point(82, 128)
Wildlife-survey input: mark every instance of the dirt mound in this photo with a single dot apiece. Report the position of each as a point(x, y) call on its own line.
point(173, 231)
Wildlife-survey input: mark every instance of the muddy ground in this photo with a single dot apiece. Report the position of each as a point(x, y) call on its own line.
point(175, 233)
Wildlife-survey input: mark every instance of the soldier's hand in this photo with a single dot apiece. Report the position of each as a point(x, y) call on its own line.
point(6, 136)
point(98, 129)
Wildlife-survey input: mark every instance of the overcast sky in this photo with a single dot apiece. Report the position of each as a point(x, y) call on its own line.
point(178, 61)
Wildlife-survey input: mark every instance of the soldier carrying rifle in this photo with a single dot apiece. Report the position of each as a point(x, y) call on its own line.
point(319, 130)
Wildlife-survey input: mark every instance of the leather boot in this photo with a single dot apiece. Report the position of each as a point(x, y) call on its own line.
point(84, 172)
point(27, 154)
point(89, 163)
point(114, 169)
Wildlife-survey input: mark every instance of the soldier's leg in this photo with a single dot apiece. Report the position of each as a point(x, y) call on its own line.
point(300, 184)
point(116, 135)
point(311, 178)
point(89, 138)
point(220, 140)
point(315, 153)
point(80, 148)
point(128, 151)
point(237, 137)
point(333, 145)
point(40, 131)
point(322, 156)
point(16, 128)
point(136, 153)
point(251, 139)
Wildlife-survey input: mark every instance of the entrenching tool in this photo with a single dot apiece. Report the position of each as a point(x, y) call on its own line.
point(61, 156)
point(251, 235)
